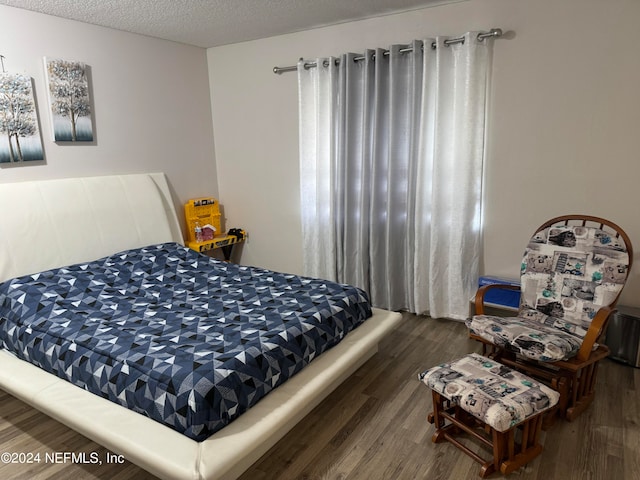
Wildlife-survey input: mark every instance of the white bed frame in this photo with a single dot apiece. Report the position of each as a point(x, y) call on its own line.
point(53, 223)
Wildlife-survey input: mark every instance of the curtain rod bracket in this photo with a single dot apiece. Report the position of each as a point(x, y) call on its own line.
point(494, 32)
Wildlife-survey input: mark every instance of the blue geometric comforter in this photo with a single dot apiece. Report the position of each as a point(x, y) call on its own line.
point(174, 335)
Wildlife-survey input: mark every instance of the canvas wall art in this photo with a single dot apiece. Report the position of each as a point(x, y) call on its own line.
point(68, 88)
point(20, 139)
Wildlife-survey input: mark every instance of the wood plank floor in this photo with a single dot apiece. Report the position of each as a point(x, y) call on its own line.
point(373, 427)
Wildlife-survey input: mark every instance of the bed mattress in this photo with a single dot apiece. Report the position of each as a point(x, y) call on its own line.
point(184, 339)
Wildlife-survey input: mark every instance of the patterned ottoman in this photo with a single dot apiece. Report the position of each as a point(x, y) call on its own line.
point(496, 405)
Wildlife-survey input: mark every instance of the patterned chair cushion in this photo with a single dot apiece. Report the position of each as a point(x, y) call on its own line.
point(567, 274)
point(526, 337)
point(570, 272)
point(495, 394)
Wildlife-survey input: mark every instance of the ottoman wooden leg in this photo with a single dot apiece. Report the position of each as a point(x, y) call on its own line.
point(510, 450)
point(518, 455)
point(460, 422)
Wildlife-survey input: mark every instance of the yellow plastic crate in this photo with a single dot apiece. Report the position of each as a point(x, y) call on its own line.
point(205, 211)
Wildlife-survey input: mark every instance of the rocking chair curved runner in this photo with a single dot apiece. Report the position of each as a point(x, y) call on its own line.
point(573, 271)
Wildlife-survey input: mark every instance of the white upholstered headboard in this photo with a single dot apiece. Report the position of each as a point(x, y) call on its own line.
point(53, 223)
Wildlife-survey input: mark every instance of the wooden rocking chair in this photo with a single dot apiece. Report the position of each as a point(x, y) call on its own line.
point(572, 274)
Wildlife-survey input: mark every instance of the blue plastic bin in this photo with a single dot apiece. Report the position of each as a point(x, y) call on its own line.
point(499, 297)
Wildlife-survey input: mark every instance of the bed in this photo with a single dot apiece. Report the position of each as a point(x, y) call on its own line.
point(56, 223)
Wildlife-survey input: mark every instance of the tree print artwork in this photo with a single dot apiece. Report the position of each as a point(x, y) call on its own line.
point(70, 102)
point(19, 135)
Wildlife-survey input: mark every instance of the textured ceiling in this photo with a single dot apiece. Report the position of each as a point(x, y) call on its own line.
point(210, 23)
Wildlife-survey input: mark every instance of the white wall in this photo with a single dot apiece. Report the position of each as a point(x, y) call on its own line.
point(563, 132)
point(151, 102)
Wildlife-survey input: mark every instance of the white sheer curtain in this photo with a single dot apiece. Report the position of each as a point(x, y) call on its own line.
point(391, 152)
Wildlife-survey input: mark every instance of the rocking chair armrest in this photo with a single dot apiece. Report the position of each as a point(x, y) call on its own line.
point(479, 298)
point(598, 325)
